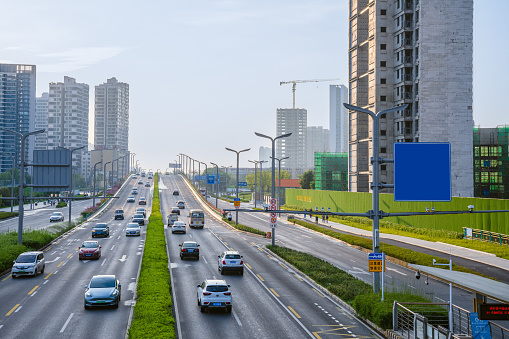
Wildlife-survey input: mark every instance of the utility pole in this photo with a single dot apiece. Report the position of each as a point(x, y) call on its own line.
point(238, 153)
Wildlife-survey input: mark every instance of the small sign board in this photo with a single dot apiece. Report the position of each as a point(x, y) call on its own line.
point(493, 311)
point(422, 171)
point(480, 328)
point(211, 179)
point(236, 203)
point(273, 216)
point(375, 262)
point(242, 183)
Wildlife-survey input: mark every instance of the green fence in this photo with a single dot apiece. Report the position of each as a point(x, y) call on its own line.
point(361, 202)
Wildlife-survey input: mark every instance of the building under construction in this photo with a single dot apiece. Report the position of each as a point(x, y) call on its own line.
point(491, 162)
point(331, 171)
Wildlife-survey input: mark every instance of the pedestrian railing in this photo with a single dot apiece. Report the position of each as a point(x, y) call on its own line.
point(498, 238)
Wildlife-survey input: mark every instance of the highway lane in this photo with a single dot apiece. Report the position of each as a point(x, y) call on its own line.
point(51, 304)
point(269, 301)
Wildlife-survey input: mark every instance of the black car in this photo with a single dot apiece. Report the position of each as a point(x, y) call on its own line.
point(175, 210)
point(189, 249)
point(176, 192)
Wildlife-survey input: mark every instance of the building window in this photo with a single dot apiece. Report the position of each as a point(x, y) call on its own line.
point(383, 12)
point(383, 81)
point(383, 63)
point(383, 132)
point(383, 47)
point(383, 29)
point(383, 98)
point(383, 167)
point(383, 150)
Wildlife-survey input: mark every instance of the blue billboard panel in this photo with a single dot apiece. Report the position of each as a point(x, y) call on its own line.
point(422, 171)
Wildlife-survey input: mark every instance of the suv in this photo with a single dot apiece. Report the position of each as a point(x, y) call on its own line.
point(119, 214)
point(176, 192)
point(28, 263)
point(100, 230)
point(230, 261)
point(214, 294)
point(181, 204)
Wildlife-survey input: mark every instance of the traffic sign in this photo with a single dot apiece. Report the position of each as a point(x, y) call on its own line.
point(236, 203)
point(376, 256)
point(210, 179)
point(376, 262)
point(273, 216)
point(242, 183)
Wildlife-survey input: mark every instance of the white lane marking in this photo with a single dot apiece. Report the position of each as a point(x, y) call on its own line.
point(1, 326)
point(66, 323)
point(205, 259)
point(131, 287)
point(19, 308)
point(395, 270)
point(118, 237)
point(103, 262)
point(44, 283)
point(50, 261)
point(53, 253)
point(31, 295)
point(123, 258)
point(237, 318)
point(411, 286)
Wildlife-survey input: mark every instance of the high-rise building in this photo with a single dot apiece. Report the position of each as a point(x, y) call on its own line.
point(112, 115)
point(417, 53)
point(264, 154)
point(68, 117)
point(338, 118)
point(292, 120)
point(41, 121)
point(17, 112)
point(317, 140)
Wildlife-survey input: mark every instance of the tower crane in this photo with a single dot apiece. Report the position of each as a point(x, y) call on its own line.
point(295, 82)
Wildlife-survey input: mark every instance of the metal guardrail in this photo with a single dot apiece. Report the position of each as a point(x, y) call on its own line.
point(498, 238)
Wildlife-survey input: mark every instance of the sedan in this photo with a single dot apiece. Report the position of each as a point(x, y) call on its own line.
point(138, 218)
point(141, 210)
point(142, 201)
point(89, 250)
point(230, 261)
point(147, 184)
point(132, 229)
point(178, 226)
point(56, 216)
point(175, 210)
point(140, 182)
point(214, 294)
point(181, 204)
point(100, 230)
point(189, 249)
point(131, 199)
point(103, 290)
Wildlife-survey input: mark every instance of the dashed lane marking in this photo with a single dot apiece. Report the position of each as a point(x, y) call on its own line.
point(320, 294)
point(248, 266)
point(60, 265)
point(275, 293)
point(48, 276)
point(33, 290)
point(12, 310)
point(7, 277)
point(296, 276)
point(260, 277)
point(293, 311)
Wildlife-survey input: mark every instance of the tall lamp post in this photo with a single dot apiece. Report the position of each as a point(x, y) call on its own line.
point(273, 140)
point(12, 179)
point(226, 181)
point(71, 195)
point(261, 179)
point(111, 174)
point(94, 193)
point(376, 185)
point(206, 168)
point(217, 180)
point(237, 185)
point(279, 180)
point(22, 178)
point(255, 162)
point(104, 177)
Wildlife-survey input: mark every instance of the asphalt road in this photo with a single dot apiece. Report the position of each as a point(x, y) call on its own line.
point(269, 300)
point(51, 304)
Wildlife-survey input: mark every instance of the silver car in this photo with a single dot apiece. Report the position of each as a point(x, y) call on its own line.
point(56, 216)
point(103, 290)
point(132, 229)
point(28, 263)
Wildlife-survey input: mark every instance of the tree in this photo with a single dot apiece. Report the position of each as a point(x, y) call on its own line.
point(307, 180)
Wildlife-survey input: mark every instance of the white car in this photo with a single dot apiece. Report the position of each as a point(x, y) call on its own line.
point(132, 229)
point(56, 216)
point(230, 261)
point(172, 217)
point(28, 263)
point(214, 294)
point(178, 226)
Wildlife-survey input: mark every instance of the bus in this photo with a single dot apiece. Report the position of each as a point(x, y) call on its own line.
point(196, 218)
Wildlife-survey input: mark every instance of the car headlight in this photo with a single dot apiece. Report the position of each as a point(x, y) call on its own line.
point(115, 293)
point(87, 294)
point(93, 231)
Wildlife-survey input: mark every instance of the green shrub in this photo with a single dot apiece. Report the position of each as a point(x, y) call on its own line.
point(6, 215)
point(61, 204)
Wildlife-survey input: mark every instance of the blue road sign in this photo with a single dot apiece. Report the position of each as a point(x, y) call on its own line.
point(422, 171)
point(242, 183)
point(236, 199)
point(376, 256)
point(211, 179)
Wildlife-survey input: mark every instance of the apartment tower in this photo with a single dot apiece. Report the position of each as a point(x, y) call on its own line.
point(417, 53)
point(41, 121)
point(292, 120)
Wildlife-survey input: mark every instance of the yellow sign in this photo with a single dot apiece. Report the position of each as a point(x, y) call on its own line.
point(376, 266)
point(236, 203)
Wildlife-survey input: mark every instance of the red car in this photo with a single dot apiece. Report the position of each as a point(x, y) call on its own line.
point(90, 249)
point(142, 201)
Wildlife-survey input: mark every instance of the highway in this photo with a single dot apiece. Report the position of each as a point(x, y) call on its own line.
point(269, 300)
point(51, 304)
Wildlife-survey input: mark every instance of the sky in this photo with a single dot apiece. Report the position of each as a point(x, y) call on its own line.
point(205, 74)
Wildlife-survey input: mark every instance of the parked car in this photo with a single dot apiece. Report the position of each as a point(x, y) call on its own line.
point(230, 261)
point(100, 230)
point(131, 199)
point(172, 217)
point(132, 229)
point(139, 219)
point(178, 226)
point(103, 290)
point(119, 214)
point(175, 210)
point(142, 201)
point(214, 294)
point(28, 263)
point(56, 216)
point(90, 249)
point(176, 192)
point(189, 249)
point(141, 210)
point(181, 204)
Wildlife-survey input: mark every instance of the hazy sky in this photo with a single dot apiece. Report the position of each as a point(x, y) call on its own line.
point(205, 74)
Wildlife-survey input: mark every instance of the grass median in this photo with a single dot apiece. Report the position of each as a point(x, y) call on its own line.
point(7, 215)
point(153, 317)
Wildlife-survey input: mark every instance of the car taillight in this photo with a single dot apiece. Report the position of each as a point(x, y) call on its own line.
point(224, 262)
point(227, 293)
point(242, 262)
point(184, 250)
point(207, 293)
point(197, 250)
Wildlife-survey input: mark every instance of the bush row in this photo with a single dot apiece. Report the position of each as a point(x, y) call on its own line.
point(153, 317)
point(6, 215)
point(353, 291)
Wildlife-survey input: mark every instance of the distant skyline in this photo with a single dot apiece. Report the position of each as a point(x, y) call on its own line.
point(205, 75)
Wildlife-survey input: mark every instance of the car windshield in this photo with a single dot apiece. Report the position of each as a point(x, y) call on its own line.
point(102, 282)
point(138, 216)
point(90, 244)
point(217, 288)
point(24, 258)
point(190, 245)
point(119, 211)
point(197, 215)
point(232, 256)
point(100, 226)
point(133, 226)
point(178, 223)
point(57, 214)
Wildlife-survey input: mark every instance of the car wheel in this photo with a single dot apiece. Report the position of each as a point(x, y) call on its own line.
point(241, 272)
point(86, 307)
point(229, 309)
point(198, 258)
point(202, 309)
point(42, 272)
point(116, 304)
point(198, 300)
point(13, 276)
point(222, 272)
point(181, 258)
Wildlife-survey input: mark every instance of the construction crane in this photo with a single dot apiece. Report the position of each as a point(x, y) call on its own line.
point(295, 82)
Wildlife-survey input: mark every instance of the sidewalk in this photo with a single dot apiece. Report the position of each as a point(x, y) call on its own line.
point(26, 207)
point(466, 253)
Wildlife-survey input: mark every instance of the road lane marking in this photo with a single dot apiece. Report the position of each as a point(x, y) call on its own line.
point(123, 259)
point(204, 259)
point(260, 249)
point(33, 289)
point(12, 310)
point(283, 266)
point(104, 260)
point(320, 294)
point(70, 255)
point(260, 277)
point(248, 266)
point(60, 265)
point(7, 277)
point(275, 293)
point(50, 261)
point(66, 323)
point(296, 276)
point(252, 243)
point(293, 311)
point(316, 335)
point(226, 243)
point(112, 248)
point(19, 308)
point(268, 255)
point(44, 283)
point(237, 318)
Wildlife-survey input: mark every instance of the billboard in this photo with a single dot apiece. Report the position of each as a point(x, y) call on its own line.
point(51, 170)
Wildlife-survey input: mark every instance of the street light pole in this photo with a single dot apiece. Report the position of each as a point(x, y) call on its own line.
point(273, 140)
point(238, 153)
point(71, 193)
point(261, 181)
point(94, 192)
point(279, 180)
point(255, 162)
point(217, 180)
point(376, 185)
point(104, 177)
point(22, 179)
point(12, 179)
